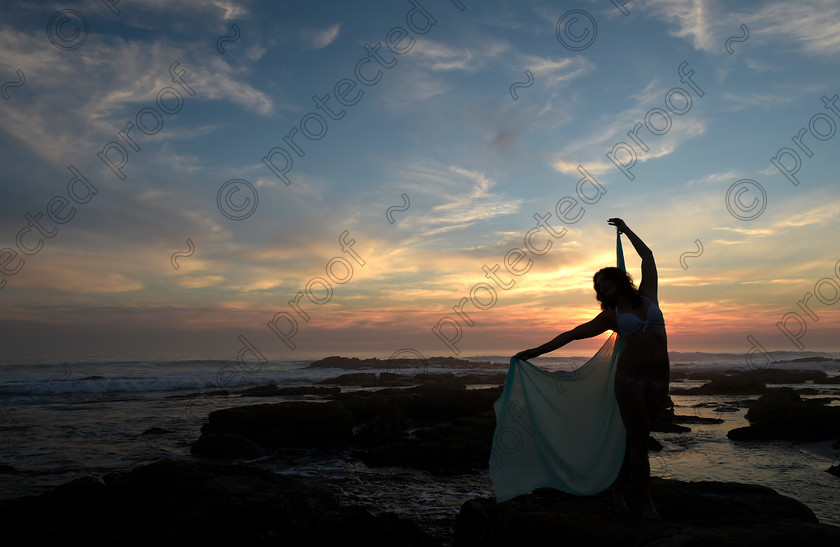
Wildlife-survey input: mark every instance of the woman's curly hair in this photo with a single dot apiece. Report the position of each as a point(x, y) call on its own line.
point(625, 286)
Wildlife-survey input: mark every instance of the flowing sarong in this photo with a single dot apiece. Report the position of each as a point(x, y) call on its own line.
point(562, 431)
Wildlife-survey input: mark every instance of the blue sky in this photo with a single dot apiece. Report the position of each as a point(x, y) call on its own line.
point(459, 122)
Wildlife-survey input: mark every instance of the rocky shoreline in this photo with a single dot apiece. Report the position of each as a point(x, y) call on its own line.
point(439, 423)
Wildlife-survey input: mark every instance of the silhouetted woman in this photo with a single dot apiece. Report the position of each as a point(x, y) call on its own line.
point(641, 378)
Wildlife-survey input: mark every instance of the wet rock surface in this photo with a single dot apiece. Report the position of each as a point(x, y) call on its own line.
point(693, 513)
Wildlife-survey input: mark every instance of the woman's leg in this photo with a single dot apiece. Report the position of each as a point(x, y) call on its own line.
point(618, 486)
point(636, 408)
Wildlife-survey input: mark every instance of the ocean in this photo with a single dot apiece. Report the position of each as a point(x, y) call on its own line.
point(63, 420)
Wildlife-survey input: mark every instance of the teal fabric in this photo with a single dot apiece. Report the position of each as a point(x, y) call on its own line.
point(561, 431)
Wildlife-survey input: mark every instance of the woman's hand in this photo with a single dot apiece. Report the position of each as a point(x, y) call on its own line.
point(618, 223)
point(526, 354)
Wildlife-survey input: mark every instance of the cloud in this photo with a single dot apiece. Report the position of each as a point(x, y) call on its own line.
point(439, 57)
point(194, 282)
point(113, 80)
point(812, 24)
point(571, 168)
point(230, 10)
point(747, 231)
point(744, 100)
point(227, 9)
point(819, 215)
point(715, 178)
point(606, 137)
point(68, 274)
point(559, 71)
point(319, 39)
point(466, 195)
point(472, 206)
point(694, 20)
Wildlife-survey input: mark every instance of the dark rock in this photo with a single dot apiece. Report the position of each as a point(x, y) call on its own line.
point(365, 406)
point(433, 402)
point(156, 431)
point(781, 376)
point(450, 361)
point(809, 360)
point(8, 470)
point(285, 425)
point(172, 503)
point(695, 420)
point(749, 382)
point(336, 361)
point(461, 447)
point(729, 384)
point(216, 393)
point(654, 445)
point(727, 409)
point(395, 379)
point(468, 379)
point(781, 414)
point(664, 423)
point(447, 401)
point(271, 390)
point(226, 446)
point(384, 427)
point(834, 470)
point(438, 378)
point(366, 379)
point(696, 513)
point(390, 379)
point(783, 399)
point(490, 379)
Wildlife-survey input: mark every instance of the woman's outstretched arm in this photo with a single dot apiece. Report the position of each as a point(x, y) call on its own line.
point(587, 330)
point(650, 279)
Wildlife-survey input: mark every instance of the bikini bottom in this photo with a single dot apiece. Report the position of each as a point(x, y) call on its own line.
point(647, 385)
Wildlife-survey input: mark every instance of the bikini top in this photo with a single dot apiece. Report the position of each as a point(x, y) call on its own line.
point(629, 322)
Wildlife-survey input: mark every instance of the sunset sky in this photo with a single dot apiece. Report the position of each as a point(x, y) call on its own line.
point(327, 177)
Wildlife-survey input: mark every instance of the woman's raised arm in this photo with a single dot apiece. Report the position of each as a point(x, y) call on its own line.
point(648, 285)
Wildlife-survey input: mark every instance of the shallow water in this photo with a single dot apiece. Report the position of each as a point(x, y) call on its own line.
point(706, 454)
